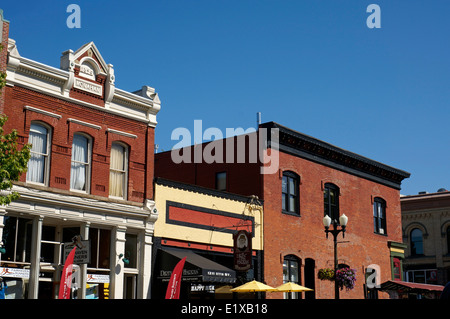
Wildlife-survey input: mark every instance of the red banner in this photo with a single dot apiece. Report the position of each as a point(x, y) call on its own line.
point(173, 288)
point(66, 276)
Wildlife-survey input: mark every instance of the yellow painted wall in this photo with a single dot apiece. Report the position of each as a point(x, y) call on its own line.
point(190, 234)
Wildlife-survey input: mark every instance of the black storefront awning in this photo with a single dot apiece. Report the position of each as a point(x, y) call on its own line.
point(196, 268)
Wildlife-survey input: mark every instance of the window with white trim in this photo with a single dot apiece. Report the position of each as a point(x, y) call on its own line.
point(38, 165)
point(118, 171)
point(80, 163)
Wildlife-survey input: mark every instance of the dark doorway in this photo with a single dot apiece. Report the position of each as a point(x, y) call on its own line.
point(310, 277)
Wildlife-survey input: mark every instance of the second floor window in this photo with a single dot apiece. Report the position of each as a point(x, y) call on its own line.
point(289, 193)
point(221, 181)
point(416, 242)
point(379, 216)
point(39, 161)
point(331, 201)
point(118, 171)
point(80, 169)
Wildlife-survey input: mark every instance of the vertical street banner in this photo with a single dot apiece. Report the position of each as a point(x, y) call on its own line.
point(242, 250)
point(66, 276)
point(173, 288)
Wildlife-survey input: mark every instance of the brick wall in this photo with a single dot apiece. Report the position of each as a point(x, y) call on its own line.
point(140, 168)
point(242, 178)
point(303, 236)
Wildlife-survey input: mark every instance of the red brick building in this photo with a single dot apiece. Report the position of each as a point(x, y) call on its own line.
point(91, 173)
point(313, 179)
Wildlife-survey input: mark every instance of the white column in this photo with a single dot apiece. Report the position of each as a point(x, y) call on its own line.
point(145, 269)
point(117, 276)
point(147, 250)
point(36, 236)
point(84, 232)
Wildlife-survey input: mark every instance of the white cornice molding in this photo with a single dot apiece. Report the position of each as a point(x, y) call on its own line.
point(56, 201)
point(57, 83)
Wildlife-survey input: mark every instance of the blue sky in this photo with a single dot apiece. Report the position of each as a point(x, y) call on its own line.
point(313, 66)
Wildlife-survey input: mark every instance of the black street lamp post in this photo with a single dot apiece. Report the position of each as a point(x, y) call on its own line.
point(335, 231)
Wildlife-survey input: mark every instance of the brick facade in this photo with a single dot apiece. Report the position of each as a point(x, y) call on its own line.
point(80, 98)
point(140, 147)
point(301, 236)
point(81, 111)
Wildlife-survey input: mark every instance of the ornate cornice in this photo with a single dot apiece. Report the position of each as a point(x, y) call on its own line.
point(310, 148)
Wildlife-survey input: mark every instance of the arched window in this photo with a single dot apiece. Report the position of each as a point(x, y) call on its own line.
point(118, 172)
point(81, 163)
point(331, 201)
point(290, 193)
point(379, 216)
point(416, 239)
point(291, 265)
point(38, 165)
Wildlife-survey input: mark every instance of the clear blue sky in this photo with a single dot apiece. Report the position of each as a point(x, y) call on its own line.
point(313, 66)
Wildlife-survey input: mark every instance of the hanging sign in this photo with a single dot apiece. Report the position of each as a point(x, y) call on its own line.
point(242, 250)
point(83, 252)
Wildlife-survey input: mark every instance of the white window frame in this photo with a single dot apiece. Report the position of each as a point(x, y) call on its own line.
point(125, 171)
point(88, 164)
point(46, 156)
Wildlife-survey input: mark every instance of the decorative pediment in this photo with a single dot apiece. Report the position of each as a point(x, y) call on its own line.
point(89, 73)
point(90, 61)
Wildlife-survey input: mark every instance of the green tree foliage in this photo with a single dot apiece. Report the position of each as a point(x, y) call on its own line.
point(13, 162)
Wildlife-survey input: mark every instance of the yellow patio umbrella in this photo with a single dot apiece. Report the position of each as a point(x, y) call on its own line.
point(253, 286)
point(292, 287)
point(223, 290)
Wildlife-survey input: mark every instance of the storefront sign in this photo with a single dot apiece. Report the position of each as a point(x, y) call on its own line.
point(14, 272)
point(82, 253)
point(201, 288)
point(96, 278)
point(242, 250)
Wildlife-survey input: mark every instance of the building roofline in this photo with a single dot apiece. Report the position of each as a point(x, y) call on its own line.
point(426, 196)
point(305, 146)
point(202, 190)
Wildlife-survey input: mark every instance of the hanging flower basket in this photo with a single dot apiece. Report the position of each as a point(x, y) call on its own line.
point(346, 277)
point(326, 274)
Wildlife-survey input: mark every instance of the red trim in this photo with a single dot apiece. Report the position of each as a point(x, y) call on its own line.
point(199, 246)
point(208, 219)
